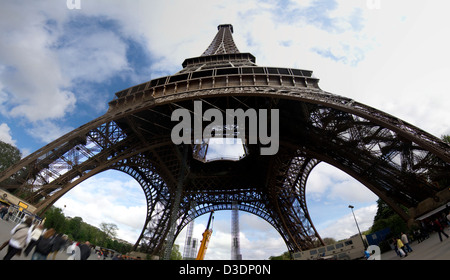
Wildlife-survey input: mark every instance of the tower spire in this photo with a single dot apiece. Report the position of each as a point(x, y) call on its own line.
point(223, 43)
point(221, 51)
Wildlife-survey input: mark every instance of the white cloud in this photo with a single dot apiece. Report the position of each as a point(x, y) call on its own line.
point(403, 73)
point(327, 183)
point(329, 191)
point(108, 197)
point(93, 57)
point(33, 77)
point(259, 240)
point(351, 190)
point(47, 130)
point(44, 57)
point(5, 134)
point(344, 227)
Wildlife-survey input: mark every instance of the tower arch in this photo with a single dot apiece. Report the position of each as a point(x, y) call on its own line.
point(399, 162)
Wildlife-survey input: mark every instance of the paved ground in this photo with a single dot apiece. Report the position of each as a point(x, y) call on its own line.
point(5, 230)
point(430, 249)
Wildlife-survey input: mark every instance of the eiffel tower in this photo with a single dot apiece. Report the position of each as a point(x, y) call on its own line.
point(399, 162)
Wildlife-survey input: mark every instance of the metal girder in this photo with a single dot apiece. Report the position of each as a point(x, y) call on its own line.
point(399, 162)
point(376, 155)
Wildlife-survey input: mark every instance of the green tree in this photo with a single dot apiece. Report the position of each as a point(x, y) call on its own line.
point(54, 218)
point(387, 218)
point(329, 241)
point(110, 229)
point(108, 232)
point(78, 230)
point(9, 155)
point(383, 211)
point(90, 233)
point(175, 254)
point(285, 256)
point(74, 227)
point(446, 138)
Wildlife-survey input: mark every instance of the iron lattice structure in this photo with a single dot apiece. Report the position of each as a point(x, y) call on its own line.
point(235, 239)
point(400, 163)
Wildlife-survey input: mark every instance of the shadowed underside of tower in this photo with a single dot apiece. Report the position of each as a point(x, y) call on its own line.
point(400, 163)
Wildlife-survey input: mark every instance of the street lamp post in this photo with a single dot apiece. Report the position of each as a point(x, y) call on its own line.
point(360, 235)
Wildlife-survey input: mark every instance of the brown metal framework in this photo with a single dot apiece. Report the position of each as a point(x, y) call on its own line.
point(400, 163)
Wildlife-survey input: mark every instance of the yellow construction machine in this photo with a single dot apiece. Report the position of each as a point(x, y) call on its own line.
point(205, 240)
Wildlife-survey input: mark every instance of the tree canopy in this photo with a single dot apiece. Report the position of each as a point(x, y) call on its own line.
point(9, 155)
point(78, 230)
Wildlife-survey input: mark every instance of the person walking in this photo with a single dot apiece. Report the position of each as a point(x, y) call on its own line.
point(398, 251)
point(3, 211)
point(438, 228)
point(401, 247)
point(74, 251)
point(19, 237)
point(58, 244)
point(406, 243)
point(44, 245)
point(34, 237)
point(85, 250)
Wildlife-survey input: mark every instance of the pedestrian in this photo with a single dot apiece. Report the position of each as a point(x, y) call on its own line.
point(85, 250)
point(397, 250)
point(34, 237)
point(3, 211)
point(8, 214)
point(44, 245)
point(19, 237)
point(58, 244)
point(406, 242)
point(401, 247)
point(438, 228)
point(417, 235)
point(74, 251)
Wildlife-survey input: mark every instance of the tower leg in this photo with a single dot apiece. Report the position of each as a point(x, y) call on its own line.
point(176, 206)
point(235, 241)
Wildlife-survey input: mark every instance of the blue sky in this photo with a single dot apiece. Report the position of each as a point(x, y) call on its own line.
point(60, 67)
